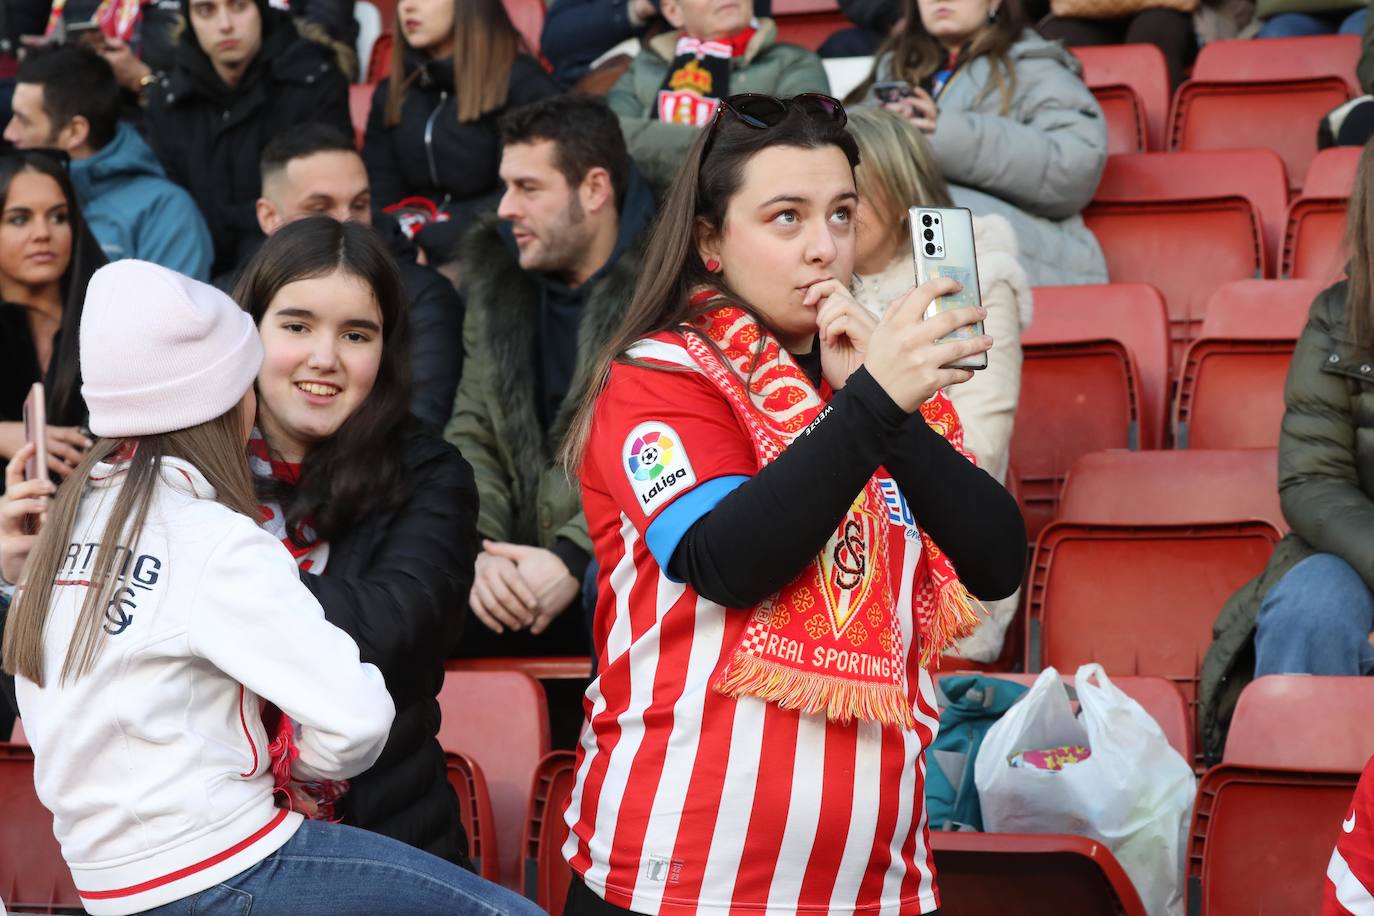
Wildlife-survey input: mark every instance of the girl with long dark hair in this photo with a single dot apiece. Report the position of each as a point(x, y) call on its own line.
point(173, 671)
point(767, 472)
point(47, 256)
point(379, 512)
point(431, 140)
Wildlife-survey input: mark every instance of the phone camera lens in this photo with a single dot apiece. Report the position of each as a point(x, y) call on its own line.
point(925, 220)
point(930, 248)
point(929, 235)
point(937, 220)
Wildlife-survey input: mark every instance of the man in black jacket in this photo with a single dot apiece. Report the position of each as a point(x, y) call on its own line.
point(241, 75)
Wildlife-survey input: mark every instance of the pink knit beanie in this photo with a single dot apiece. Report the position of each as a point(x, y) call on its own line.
point(160, 351)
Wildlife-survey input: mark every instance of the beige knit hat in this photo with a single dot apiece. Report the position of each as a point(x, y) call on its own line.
point(160, 351)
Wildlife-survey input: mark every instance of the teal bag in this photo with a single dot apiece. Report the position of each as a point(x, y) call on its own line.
point(969, 705)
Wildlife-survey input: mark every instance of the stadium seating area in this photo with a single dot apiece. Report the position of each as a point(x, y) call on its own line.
point(1144, 456)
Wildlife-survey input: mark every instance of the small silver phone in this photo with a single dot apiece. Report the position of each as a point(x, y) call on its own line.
point(942, 245)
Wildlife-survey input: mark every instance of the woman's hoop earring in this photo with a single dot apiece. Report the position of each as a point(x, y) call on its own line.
point(712, 265)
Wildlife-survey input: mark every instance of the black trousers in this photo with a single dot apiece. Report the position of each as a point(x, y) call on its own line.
point(583, 901)
point(1169, 30)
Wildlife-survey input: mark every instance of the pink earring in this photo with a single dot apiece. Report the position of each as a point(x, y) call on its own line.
point(712, 265)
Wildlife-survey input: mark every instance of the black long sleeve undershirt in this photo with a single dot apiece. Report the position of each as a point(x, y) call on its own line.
point(767, 529)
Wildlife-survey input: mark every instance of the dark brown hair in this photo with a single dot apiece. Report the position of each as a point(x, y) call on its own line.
point(485, 45)
point(360, 470)
point(916, 54)
point(1359, 237)
point(672, 268)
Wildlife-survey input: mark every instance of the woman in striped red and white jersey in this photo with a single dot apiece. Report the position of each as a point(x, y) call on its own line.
point(767, 472)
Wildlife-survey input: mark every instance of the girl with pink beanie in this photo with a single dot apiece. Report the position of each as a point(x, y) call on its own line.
point(153, 620)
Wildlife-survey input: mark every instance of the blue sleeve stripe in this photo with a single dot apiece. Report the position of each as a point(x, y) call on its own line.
point(666, 531)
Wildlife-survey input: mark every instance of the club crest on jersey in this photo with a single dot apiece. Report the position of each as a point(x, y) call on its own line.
point(898, 512)
point(656, 464)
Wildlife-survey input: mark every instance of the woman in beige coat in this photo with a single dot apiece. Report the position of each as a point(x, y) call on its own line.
point(897, 170)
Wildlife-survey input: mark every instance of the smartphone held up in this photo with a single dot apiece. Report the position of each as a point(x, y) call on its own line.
point(36, 434)
point(942, 246)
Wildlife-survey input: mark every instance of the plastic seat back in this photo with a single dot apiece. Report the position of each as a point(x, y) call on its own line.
point(808, 22)
point(547, 874)
point(500, 720)
point(1139, 599)
point(992, 874)
point(1230, 392)
point(1170, 486)
point(1303, 722)
point(1255, 174)
point(474, 807)
point(1131, 82)
point(528, 18)
point(1280, 59)
point(33, 876)
point(359, 107)
point(1093, 377)
point(1314, 238)
point(1261, 840)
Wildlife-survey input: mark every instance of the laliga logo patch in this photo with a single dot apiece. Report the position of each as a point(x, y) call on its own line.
point(656, 464)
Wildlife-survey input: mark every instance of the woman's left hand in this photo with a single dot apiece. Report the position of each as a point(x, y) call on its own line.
point(844, 327)
point(23, 500)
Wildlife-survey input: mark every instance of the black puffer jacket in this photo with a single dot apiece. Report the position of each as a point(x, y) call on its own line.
point(210, 137)
point(398, 585)
point(431, 154)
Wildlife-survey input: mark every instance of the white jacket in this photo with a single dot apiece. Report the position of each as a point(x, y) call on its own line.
point(155, 763)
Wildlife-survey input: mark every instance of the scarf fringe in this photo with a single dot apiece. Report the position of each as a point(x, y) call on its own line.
point(839, 699)
point(957, 614)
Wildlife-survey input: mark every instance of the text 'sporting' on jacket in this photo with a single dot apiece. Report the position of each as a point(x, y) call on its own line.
point(209, 137)
point(1326, 489)
point(766, 66)
point(431, 154)
point(1037, 165)
point(525, 496)
point(135, 212)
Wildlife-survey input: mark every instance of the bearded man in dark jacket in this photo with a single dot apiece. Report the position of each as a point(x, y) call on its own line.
point(546, 282)
point(241, 75)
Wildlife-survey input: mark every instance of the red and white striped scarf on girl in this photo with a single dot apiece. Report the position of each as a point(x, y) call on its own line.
point(313, 799)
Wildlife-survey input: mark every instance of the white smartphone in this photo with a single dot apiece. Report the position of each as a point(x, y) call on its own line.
point(942, 246)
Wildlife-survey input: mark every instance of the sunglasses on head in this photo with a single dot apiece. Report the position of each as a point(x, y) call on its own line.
point(753, 109)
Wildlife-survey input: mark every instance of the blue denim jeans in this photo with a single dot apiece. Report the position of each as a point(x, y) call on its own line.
point(1301, 25)
point(1316, 620)
point(332, 870)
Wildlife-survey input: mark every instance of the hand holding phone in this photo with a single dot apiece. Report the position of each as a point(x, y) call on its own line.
point(942, 245)
point(890, 91)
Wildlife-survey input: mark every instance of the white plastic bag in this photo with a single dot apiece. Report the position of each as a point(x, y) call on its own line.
point(1135, 793)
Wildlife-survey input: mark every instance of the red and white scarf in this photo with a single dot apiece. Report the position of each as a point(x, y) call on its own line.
point(313, 799)
point(699, 77)
point(845, 600)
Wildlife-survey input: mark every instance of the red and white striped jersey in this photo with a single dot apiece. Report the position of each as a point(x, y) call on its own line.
point(1350, 874)
point(689, 801)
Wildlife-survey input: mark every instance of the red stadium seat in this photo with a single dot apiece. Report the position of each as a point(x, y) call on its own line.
point(33, 876)
point(808, 22)
point(499, 719)
point(993, 874)
point(1156, 695)
point(379, 66)
point(543, 668)
point(1168, 486)
point(1241, 90)
point(1139, 599)
point(474, 807)
point(1230, 392)
point(528, 18)
point(1314, 240)
point(547, 874)
point(1094, 377)
point(17, 733)
point(1181, 224)
point(1131, 82)
point(359, 106)
point(1302, 722)
point(1261, 839)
